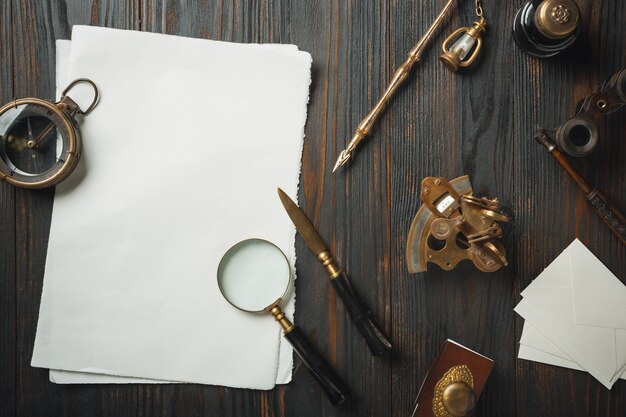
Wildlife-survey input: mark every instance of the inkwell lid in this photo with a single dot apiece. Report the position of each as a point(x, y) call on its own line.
point(557, 19)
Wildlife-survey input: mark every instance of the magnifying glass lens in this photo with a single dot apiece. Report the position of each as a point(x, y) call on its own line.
point(253, 275)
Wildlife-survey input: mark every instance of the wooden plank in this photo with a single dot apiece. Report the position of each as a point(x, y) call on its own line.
point(551, 210)
point(351, 207)
point(323, 32)
point(211, 21)
point(478, 123)
point(33, 45)
point(36, 25)
point(7, 242)
point(450, 125)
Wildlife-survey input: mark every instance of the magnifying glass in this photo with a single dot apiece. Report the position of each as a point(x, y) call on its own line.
point(254, 276)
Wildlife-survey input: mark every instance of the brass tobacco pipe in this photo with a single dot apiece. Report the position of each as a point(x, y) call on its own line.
point(364, 128)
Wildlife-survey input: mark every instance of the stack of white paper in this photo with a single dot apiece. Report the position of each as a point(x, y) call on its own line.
point(575, 313)
point(181, 159)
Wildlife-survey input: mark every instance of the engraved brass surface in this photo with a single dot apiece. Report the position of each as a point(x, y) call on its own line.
point(454, 393)
point(557, 19)
point(459, 399)
point(420, 228)
point(451, 227)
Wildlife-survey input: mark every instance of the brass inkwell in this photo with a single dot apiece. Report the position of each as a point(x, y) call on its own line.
point(544, 28)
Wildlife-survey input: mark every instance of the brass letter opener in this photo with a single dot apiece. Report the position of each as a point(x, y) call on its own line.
point(360, 314)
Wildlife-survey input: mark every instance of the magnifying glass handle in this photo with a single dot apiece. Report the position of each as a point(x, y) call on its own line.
point(361, 316)
point(333, 386)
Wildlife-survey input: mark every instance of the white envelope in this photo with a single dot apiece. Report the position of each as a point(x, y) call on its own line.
point(549, 306)
point(535, 347)
point(592, 348)
point(599, 297)
point(139, 298)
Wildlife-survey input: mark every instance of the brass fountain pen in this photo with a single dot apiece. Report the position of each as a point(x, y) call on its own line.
point(360, 314)
point(364, 128)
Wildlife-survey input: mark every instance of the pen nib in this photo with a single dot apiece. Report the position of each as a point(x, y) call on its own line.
point(344, 157)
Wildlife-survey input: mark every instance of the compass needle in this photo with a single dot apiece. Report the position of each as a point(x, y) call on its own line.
point(30, 129)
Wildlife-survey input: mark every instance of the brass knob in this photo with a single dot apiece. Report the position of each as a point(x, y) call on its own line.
point(557, 19)
point(458, 399)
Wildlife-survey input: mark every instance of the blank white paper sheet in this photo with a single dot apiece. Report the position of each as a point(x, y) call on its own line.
point(181, 160)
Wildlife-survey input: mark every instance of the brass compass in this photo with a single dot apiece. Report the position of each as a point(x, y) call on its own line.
point(40, 142)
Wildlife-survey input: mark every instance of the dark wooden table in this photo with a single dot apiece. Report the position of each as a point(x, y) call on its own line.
point(479, 123)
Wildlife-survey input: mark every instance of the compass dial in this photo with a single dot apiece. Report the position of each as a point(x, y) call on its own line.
point(38, 143)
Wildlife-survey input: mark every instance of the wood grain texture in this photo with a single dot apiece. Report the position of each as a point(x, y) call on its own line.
point(552, 89)
point(478, 123)
point(33, 49)
point(8, 319)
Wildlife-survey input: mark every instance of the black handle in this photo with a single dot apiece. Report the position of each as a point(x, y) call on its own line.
point(361, 316)
point(333, 386)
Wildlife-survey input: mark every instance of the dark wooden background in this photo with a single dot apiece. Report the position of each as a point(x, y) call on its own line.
point(479, 123)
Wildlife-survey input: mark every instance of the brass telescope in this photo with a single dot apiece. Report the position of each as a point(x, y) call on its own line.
point(364, 128)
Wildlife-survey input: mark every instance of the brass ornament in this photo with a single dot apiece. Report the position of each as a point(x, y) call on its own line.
point(453, 225)
point(454, 393)
point(557, 19)
point(544, 28)
point(466, 40)
point(561, 14)
point(280, 317)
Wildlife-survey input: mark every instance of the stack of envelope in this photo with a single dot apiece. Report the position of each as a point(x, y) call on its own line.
point(181, 160)
point(575, 313)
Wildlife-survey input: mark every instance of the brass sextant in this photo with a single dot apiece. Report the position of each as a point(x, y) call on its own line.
point(453, 225)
